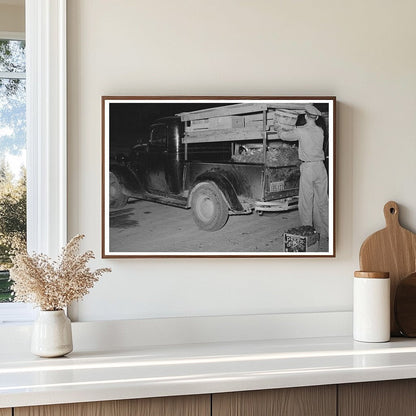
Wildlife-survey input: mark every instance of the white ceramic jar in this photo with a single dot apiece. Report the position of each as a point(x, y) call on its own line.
point(371, 309)
point(52, 334)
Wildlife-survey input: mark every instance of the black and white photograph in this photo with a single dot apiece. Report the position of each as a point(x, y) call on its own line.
point(218, 176)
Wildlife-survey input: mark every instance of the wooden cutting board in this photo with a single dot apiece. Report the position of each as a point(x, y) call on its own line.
point(393, 250)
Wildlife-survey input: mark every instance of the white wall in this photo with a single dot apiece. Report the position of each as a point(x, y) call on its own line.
point(360, 51)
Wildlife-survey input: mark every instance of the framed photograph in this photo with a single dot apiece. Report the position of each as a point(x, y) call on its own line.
point(218, 176)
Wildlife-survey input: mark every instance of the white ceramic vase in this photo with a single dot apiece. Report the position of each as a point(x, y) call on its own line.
point(52, 334)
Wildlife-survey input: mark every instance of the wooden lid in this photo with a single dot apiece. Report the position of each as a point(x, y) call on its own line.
point(372, 275)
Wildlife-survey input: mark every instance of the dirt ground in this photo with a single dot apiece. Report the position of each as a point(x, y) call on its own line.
point(144, 226)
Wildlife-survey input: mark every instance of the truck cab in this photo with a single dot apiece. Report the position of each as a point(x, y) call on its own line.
point(159, 162)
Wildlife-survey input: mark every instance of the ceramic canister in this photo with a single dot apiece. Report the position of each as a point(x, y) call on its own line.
point(371, 309)
point(52, 334)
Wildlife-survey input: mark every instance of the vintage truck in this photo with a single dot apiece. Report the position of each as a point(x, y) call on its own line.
point(218, 162)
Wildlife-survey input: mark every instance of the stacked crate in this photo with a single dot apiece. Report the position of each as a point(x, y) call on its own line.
point(239, 122)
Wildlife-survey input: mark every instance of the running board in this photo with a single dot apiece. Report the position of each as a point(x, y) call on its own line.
point(174, 201)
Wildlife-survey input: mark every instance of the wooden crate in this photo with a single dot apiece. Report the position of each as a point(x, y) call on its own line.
point(294, 243)
point(285, 119)
point(197, 125)
point(215, 123)
point(228, 122)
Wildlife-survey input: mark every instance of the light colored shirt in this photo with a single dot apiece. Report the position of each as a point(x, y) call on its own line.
point(311, 141)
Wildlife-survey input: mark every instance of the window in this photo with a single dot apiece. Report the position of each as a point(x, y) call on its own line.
point(159, 136)
point(46, 135)
point(12, 155)
point(12, 166)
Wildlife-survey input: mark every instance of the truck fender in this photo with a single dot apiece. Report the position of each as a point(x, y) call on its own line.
point(225, 187)
point(129, 182)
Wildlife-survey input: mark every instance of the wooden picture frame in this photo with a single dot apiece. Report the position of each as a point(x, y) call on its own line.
point(218, 176)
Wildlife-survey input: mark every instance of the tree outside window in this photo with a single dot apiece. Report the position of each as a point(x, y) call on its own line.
point(12, 156)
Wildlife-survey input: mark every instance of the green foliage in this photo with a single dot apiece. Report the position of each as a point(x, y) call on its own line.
point(12, 213)
point(12, 55)
point(6, 294)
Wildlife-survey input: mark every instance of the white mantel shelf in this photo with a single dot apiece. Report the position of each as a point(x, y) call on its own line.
point(151, 371)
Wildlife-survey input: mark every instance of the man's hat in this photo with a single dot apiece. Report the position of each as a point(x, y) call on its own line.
point(312, 110)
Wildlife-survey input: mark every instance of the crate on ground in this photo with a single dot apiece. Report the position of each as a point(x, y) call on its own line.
point(301, 239)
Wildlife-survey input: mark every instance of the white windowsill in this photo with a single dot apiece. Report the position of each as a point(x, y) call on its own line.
point(16, 313)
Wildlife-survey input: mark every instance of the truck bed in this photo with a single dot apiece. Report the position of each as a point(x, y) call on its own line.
point(251, 181)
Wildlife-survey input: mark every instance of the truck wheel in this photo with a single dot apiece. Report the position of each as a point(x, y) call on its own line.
point(209, 209)
point(117, 198)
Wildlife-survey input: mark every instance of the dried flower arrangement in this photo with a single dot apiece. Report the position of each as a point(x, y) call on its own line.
point(53, 285)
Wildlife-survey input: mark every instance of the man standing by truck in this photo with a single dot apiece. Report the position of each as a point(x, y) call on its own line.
point(313, 186)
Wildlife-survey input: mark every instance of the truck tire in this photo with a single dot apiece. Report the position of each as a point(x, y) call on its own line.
point(209, 209)
point(117, 198)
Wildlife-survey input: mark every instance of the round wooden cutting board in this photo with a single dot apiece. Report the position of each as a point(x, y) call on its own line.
point(392, 250)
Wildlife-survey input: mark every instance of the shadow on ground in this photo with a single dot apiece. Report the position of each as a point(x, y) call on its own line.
point(121, 218)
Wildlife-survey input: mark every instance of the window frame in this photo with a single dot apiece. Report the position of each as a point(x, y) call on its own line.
point(46, 138)
point(46, 125)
